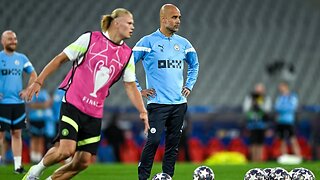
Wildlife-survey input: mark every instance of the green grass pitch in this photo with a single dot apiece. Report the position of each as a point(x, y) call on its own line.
point(183, 171)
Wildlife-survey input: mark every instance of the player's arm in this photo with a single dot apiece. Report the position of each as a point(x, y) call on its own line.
point(72, 52)
point(134, 94)
point(29, 69)
point(193, 69)
point(53, 65)
point(33, 77)
point(246, 106)
point(136, 99)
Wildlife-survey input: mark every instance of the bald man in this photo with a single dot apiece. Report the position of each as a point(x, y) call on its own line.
point(163, 54)
point(12, 108)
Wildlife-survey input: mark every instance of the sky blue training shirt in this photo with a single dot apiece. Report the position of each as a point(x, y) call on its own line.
point(11, 73)
point(163, 61)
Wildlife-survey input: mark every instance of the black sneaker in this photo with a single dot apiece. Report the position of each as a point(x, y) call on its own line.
point(20, 170)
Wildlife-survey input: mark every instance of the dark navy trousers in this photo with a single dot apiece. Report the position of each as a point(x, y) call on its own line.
point(168, 118)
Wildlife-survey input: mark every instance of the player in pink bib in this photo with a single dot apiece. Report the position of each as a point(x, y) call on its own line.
point(100, 59)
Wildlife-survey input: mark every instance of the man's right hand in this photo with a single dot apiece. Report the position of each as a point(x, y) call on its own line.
point(147, 93)
point(28, 93)
point(144, 118)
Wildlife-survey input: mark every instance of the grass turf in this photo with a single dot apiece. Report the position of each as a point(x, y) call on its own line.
point(183, 171)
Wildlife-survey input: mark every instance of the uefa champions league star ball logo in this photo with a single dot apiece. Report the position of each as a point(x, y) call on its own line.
point(203, 173)
point(162, 176)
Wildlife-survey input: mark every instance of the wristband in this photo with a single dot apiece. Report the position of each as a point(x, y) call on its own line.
point(38, 83)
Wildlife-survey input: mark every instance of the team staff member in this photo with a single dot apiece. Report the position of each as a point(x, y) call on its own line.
point(286, 106)
point(163, 54)
point(12, 107)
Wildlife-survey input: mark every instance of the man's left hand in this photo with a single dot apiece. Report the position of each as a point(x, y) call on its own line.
point(185, 92)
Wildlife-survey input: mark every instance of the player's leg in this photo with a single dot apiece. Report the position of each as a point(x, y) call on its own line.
point(157, 117)
point(18, 123)
point(65, 149)
point(16, 146)
point(67, 138)
point(173, 134)
point(61, 151)
point(2, 149)
point(252, 146)
point(37, 146)
point(281, 131)
point(68, 135)
point(294, 141)
point(80, 162)
point(87, 146)
point(260, 144)
point(5, 125)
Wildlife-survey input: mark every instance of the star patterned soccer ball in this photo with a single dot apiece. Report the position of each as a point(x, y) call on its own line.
point(293, 171)
point(255, 174)
point(268, 171)
point(279, 174)
point(162, 176)
point(203, 173)
point(303, 174)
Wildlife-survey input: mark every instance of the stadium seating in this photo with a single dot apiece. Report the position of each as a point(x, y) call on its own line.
point(237, 145)
point(129, 152)
point(196, 150)
point(214, 145)
point(235, 39)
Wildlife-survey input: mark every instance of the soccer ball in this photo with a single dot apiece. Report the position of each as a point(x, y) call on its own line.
point(268, 171)
point(162, 176)
point(203, 173)
point(279, 174)
point(255, 174)
point(303, 174)
point(293, 171)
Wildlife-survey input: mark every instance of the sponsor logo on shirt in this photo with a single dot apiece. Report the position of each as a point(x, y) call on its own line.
point(170, 64)
point(161, 47)
point(6, 72)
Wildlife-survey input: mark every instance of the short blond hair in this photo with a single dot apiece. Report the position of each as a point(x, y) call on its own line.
point(107, 19)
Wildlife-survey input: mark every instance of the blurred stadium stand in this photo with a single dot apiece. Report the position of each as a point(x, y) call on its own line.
point(235, 40)
point(238, 43)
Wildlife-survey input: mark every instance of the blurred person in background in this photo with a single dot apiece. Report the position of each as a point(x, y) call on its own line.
point(39, 113)
point(286, 106)
point(12, 106)
point(257, 106)
point(114, 135)
point(100, 59)
point(163, 54)
point(53, 125)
